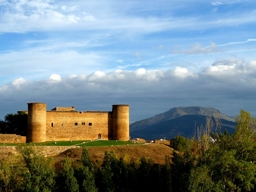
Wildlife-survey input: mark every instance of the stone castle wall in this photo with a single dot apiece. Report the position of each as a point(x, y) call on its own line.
point(65, 124)
point(73, 125)
point(12, 138)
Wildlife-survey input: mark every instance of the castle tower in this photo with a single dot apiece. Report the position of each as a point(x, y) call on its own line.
point(120, 116)
point(36, 122)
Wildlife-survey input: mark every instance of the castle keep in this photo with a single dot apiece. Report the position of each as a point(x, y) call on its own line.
point(66, 124)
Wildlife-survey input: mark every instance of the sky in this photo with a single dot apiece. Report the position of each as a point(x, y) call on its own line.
point(151, 55)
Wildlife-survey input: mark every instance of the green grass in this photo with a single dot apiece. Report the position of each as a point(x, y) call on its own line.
point(88, 143)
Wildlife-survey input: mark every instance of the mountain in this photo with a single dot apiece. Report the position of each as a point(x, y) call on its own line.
point(181, 121)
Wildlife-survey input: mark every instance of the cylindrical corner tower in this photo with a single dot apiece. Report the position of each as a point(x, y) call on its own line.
point(120, 115)
point(36, 122)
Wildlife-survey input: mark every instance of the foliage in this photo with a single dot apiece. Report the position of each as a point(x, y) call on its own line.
point(85, 173)
point(9, 176)
point(85, 158)
point(228, 163)
point(39, 174)
point(14, 124)
point(67, 180)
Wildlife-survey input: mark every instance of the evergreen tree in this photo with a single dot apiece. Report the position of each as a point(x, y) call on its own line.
point(144, 171)
point(88, 184)
point(120, 176)
point(108, 184)
point(85, 178)
point(67, 181)
point(167, 175)
point(85, 158)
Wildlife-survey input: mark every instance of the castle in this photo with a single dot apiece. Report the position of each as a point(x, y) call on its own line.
point(67, 124)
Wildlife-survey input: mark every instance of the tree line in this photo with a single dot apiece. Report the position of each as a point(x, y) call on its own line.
point(211, 162)
point(36, 173)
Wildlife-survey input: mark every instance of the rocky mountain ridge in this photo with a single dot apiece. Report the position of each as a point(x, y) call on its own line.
point(180, 121)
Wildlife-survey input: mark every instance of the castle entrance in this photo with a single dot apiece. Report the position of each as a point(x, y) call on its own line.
point(99, 136)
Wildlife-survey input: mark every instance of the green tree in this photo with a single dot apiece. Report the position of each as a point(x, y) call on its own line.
point(109, 161)
point(229, 163)
point(167, 175)
point(120, 175)
point(184, 158)
point(16, 124)
point(67, 181)
point(85, 177)
point(85, 158)
point(9, 176)
point(40, 174)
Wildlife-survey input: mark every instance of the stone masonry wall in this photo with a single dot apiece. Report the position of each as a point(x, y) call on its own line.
point(12, 138)
point(75, 125)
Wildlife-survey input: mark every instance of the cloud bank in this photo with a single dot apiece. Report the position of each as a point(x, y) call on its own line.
point(223, 85)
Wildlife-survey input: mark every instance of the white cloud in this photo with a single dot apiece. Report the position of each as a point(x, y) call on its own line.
point(18, 82)
point(181, 72)
point(252, 66)
point(25, 16)
point(22, 16)
point(55, 78)
point(97, 75)
point(238, 42)
point(140, 72)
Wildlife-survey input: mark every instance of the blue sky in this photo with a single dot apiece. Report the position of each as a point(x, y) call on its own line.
point(152, 55)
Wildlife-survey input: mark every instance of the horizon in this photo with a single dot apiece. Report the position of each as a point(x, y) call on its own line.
point(152, 56)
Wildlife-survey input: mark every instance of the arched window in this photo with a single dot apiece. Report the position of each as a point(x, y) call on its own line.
point(52, 124)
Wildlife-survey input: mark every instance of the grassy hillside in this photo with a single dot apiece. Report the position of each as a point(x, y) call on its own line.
point(157, 152)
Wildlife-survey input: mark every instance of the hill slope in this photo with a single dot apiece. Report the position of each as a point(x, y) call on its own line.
point(180, 121)
point(157, 152)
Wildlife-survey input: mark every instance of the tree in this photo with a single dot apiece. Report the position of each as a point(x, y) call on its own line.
point(229, 163)
point(67, 181)
point(9, 176)
point(85, 179)
point(14, 124)
point(85, 158)
point(109, 161)
point(40, 174)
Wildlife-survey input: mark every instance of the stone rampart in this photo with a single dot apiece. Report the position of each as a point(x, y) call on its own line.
point(74, 125)
point(47, 151)
point(12, 138)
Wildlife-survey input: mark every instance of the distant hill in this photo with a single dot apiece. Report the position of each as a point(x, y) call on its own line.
point(180, 121)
